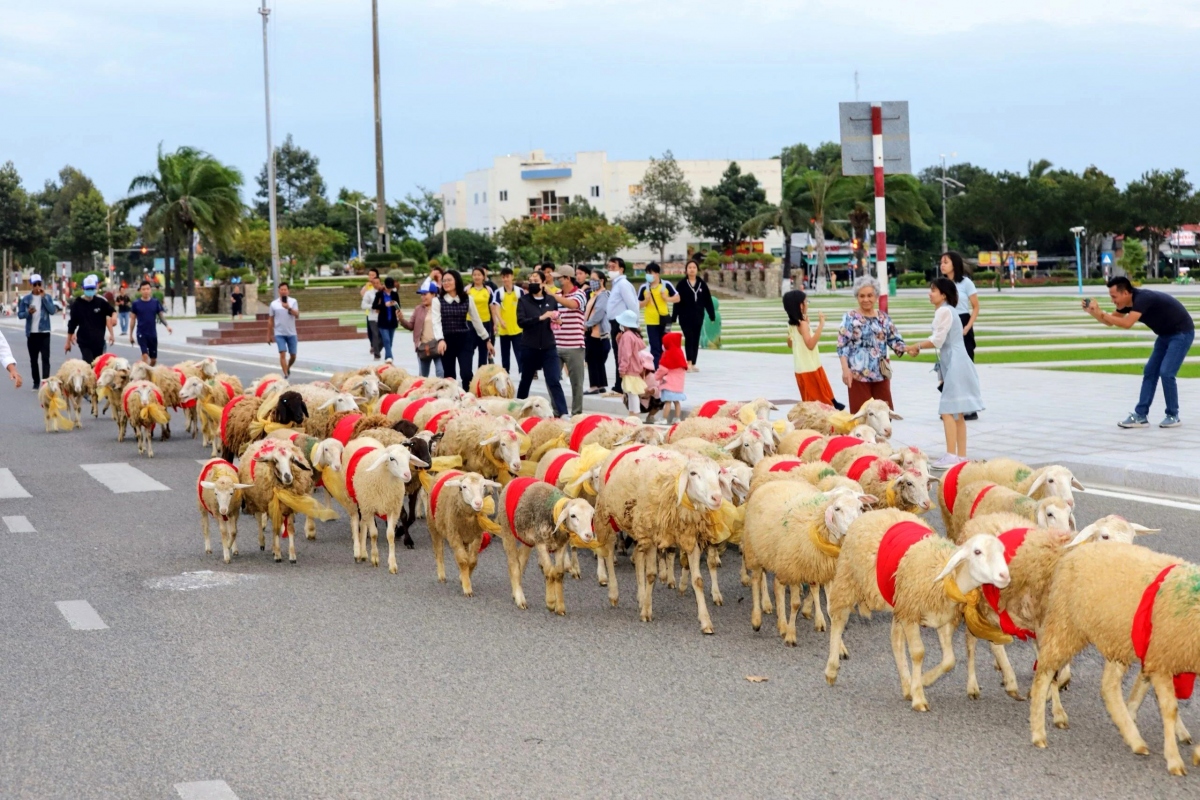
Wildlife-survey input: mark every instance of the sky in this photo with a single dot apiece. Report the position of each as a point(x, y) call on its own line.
point(99, 84)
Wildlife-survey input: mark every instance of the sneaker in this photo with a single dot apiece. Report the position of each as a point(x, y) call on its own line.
point(1170, 421)
point(946, 462)
point(1134, 421)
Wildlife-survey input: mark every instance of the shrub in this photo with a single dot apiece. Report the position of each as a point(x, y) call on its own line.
point(245, 273)
point(910, 279)
point(984, 276)
point(1062, 273)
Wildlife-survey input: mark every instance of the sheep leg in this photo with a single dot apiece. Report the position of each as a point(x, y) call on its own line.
point(439, 557)
point(275, 531)
point(639, 567)
point(666, 565)
point(233, 523)
point(610, 557)
point(464, 565)
point(713, 558)
point(1164, 687)
point(410, 517)
point(560, 603)
point(789, 638)
point(370, 528)
point(602, 568)
point(262, 535)
point(1053, 655)
point(756, 593)
point(916, 651)
point(807, 608)
point(745, 575)
point(392, 519)
point(818, 614)
point(698, 588)
point(546, 562)
point(1110, 690)
point(310, 529)
point(573, 563)
point(289, 527)
point(1009, 677)
point(513, 557)
point(837, 624)
point(901, 657)
point(946, 639)
point(781, 606)
point(355, 530)
point(1138, 693)
point(652, 568)
point(972, 680)
point(768, 606)
point(149, 441)
point(204, 529)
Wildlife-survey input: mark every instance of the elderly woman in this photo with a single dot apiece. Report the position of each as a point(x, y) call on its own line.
point(863, 341)
point(960, 381)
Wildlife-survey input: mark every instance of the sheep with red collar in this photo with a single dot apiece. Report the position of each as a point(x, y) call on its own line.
point(492, 380)
point(219, 496)
point(488, 445)
point(1049, 480)
point(663, 499)
point(363, 387)
point(1131, 604)
point(142, 404)
point(890, 483)
point(280, 481)
point(793, 531)
point(167, 381)
point(828, 420)
point(78, 381)
point(826, 448)
point(892, 561)
point(794, 443)
point(985, 497)
point(608, 432)
point(537, 516)
point(375, 478)
point(460, 509)
point(789, 468)
point(268, 384)
point(322, 455)
point(110, 385)
point(210, 397)
point(759, 408)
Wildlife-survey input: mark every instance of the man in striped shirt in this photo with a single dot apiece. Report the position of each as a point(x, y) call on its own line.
point(568, 334)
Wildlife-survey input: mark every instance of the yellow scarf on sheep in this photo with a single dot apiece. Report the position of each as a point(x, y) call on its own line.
point(297, 504)
point(58, 405)
point(979, 627)
point(842, 421)
point(734, 518)
point(831, 549)
point(592, 455)
point(154, 414)
point(555, 443)
point(502, 473)
point(718, 529)
point(484, 518)
point(105, 393)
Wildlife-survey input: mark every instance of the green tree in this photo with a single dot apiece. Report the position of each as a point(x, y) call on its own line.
point(800, 158)
point(56, 197)
point(467, 248)
point(579, 240)
point(785, 218)
point(300, 248)
point(1158, 203)
point(1133, 258)
point(1000, 207)
point(426, 211)
point(821, 197)
point(86, 232)
point(21, 228)
point(724, 209)
point(515, 238)
point(651, 225)
point(297, 181)
point(658, 213)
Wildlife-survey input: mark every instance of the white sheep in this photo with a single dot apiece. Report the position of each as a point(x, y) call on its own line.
point(460, 508)
point(890, 560)
point(280, 485)
point(759, 408)
point(488, 445)
point(219, 495)
point(828, 420)
point(78, 381)
point(536, 406)
point(1052, 479)
point(323, 455)
point(54, 402)
point(492, 380)
point(985, 497)
point(375, 478)
point(109, 388)
point(167, 381)
point(142, 404)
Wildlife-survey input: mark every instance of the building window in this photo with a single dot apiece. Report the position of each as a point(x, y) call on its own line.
point(595, 191)
point(635, 189)
point(504, 195)
point(547, 206)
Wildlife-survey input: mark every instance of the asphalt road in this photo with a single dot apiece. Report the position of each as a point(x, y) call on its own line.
point(334, 680)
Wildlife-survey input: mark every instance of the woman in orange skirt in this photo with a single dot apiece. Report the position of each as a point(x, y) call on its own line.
point(806, 360)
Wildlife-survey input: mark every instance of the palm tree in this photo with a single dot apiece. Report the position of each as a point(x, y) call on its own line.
point(821, 197)
point(784, 218)
point(189, 192)
point(904, 206)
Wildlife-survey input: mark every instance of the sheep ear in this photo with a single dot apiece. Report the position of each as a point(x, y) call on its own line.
point(1071, 522)
point(626, 439)
point(561, 519)
point(862, 412)
point(453, 483)
point(379, 461)
point(829, 516)
point(894, 415)
point(960, 555)
point(1140, 529)
point(1083, 536)
point(328, 403)
point(868, 499)
point(897, 457)
point(491, 485)
point(1075, 484)
point(243, 485)
point(681, 486)
point(495, 437)
point(413, 461)
point(733, 444)
point(1037, 484)
point(208, 484)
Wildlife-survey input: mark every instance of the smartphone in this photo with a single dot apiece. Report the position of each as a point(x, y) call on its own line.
point(1087, 302)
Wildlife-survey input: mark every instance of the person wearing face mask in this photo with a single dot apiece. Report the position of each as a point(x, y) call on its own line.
point(621, 297)
point(92, 319)
point(537, 313)
point(596, 345)
point(36, 308)
point(657, 298)
point(695, 300)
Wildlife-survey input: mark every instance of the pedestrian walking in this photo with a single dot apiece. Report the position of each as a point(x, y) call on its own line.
point(671, 374)
point(462, 329)
point(621, 297)
point(960, 382)
point(656, 297)
point(92, 322)
point(569, 333)
point(9, 363)
point(695, 300)
point(36, 308)
point(367, 294)
point(504, 316)
point(427, 332)
point(1170, 320)
point(481, 295)
point(124, 304)
point(863, 341)
point(148, 311)
point(537, 311)
point(596, 342)
point(806, 358)
point(281, 327)
point(237, 297)
point(967, 308)
point(386, 306)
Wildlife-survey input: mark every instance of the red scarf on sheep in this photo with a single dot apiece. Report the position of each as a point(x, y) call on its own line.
point(204, 476)
point(950, 484)
point(836, 445)
point(1143, 626)
point(786, 466)
point(672, 354)
point(512, 497)
point(895, 543)
point(1012, 541)
point(584, 427)
point(556, 467)
point(710, 408)
point(100, 362)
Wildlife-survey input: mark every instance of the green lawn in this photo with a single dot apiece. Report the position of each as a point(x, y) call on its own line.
point(1186, 371)
point(740, 343)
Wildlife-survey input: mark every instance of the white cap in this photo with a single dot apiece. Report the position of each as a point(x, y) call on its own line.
point(90, 282)
point(35, 278)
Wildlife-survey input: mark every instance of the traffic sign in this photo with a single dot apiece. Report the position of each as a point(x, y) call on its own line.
point(855, 123)
point(1106, 259)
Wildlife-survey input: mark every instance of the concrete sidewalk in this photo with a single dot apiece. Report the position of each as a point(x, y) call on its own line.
point(1032, 414)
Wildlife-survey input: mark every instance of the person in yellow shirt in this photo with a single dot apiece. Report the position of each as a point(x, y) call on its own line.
point(656, 297)
point(481, 295)
point(504, 315)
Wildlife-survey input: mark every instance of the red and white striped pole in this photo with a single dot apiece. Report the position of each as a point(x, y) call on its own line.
point(880, 215)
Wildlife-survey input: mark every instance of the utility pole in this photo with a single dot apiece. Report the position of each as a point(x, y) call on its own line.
point(271, 215)
point(945, 246)
point(445, 226)
point(382, 245)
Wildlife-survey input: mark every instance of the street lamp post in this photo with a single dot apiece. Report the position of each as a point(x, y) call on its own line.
point(953, 184)
point(271, 214)
point(1078, 231)
point(357, 223)
point(383, 245)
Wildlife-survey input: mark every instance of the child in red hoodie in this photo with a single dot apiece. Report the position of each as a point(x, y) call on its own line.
point(672, 369)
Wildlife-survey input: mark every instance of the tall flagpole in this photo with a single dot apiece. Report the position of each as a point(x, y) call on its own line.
point(382, 244)
point(266, 12)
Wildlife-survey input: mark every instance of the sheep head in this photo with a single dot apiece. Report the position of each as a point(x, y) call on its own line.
point(207, 367)
point(225, 490)
point(290, 410)
point(575, 518)
point(192, 388)
point(506, 447)
point(876, 414)
point(146, 392)
point(699, 484)
point(472, 489)
point(735, 482)
point(140, 371)
point(912, 491)
point(327, 454)
point(752, 444)
point(399, 462)
point(843, 507)
point(53, 386)
point(279, 459)
point(912, 459)
point(77, 383)
point(864, 432)
point(341, 403)
point(1054, 512)
point(536, 407)
point(642, 434)
point(1112, 528)
point(1056, 481)
point(983, 556)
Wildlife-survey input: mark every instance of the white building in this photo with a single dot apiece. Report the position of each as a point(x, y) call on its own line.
point(531, 184)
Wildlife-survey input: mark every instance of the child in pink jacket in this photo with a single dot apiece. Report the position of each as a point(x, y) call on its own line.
point(672, 369)
point(629, 361)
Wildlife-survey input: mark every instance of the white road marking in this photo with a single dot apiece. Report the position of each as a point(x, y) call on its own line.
point(19, 525)
point(123, 478)
point(205, 790)
point(80, 615)
point(10, 488)
point(203, 579)
point(1144, 498)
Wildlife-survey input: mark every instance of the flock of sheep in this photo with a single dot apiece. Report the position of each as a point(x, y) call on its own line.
point(818, 501)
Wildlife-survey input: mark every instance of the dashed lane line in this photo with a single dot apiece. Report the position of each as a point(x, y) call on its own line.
point(10, 487)
point(121, 478)
point(19, 525)
point(205, 790)
point(80, 615)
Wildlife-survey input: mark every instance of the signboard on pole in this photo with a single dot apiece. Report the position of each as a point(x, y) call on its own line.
point(855, 122)
point(63, 268)
point(991, 259)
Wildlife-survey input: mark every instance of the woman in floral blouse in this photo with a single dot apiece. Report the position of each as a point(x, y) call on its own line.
point(863, 341)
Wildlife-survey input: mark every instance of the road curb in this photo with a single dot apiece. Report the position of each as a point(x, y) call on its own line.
point(1135, 478)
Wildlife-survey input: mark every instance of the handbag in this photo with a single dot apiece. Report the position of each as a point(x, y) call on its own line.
point(427, 350)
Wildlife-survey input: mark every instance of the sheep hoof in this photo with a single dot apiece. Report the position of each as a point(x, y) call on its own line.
point(226, 559)
point(1039, 741)
point(756, 627)
point(521, 604)
point(562, 612)
point(706, 629)
point(921, 706)
point(746, 581)
point(819, 626)
point(392, 569)
point(1140, 750)
point(1177, 769)
point(208, 551)
point(468, 594)
point(1196, 757)
point(278, 559)
point(1062, 725)
point(718, 600)
point(292, 561)
point(831, 677)
point(790, 641)
point(973, 692)
point(262, 547)
point(1016, 695)
point(312, 537)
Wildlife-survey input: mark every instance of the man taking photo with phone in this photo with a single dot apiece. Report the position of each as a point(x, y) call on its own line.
point(1168, 318)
